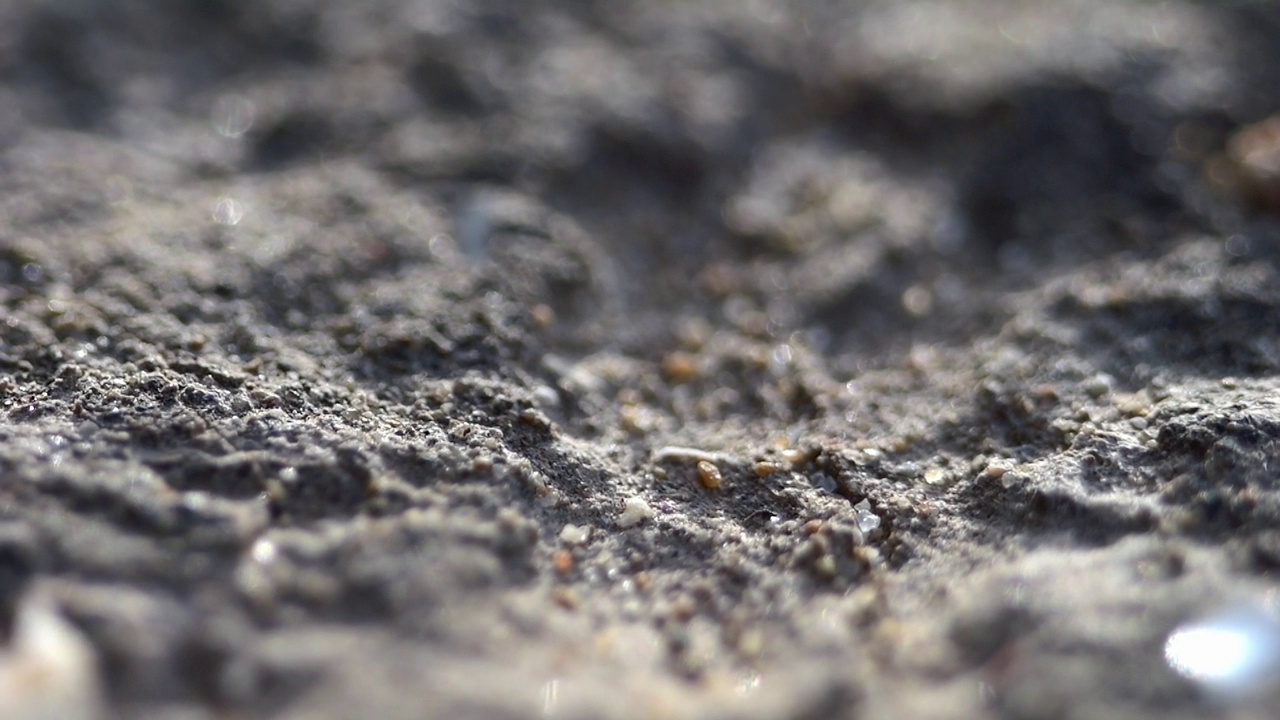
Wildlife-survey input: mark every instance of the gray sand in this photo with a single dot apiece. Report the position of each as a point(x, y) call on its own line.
point(632, 360)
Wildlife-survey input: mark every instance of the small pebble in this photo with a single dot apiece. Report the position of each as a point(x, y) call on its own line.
point(765, 468)
point(797, 457)
point(643, 581)
point(709, 475)
point(566, 598)
point(574, 535)
point(546, 396)
point(935, 476)
point(275, 491)
point(634, 511)
point(683, 608)
point(562, 562)
point(680, 367)
point(629, 418)
point(542, 316)
point(1099, 385)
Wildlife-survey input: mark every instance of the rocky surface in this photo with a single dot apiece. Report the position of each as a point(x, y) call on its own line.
point(595, 359)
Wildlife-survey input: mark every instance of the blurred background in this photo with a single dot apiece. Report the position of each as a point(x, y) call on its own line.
point(867, 170)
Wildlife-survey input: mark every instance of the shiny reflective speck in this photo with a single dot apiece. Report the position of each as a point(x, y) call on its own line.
point(228, 211)
point(1234, 653)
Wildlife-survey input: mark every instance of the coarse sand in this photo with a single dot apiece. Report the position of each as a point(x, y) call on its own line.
point(776, 359)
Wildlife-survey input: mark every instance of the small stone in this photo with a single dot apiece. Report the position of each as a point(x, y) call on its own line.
point(935, 476)
point(683, 609)
point(562, 562)
point(1133, 405)
point(574, 535)
point(542, 316)
point(275, 491)
point(538, 484)
point(765, 468)
point(546, 396)
point(566, 598)
point(637, 420)
point(1099, 385)
point(634, 511)
point(709, 475)
point(680, 367)
point(797, 457)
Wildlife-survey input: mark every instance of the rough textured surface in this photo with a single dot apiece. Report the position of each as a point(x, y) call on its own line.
point(615, 360)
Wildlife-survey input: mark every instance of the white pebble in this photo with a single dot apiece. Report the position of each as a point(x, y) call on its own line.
point(48, 671)
point(634, 511)
point(546, 396)
point(574, 535)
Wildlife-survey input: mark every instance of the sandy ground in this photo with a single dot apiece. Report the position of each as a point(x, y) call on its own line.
point(605, 359)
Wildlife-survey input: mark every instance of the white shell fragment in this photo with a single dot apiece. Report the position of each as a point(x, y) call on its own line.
point(48, 671)
point(634, 511)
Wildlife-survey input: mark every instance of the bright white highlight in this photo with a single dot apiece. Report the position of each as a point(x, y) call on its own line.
point(1234, 653)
